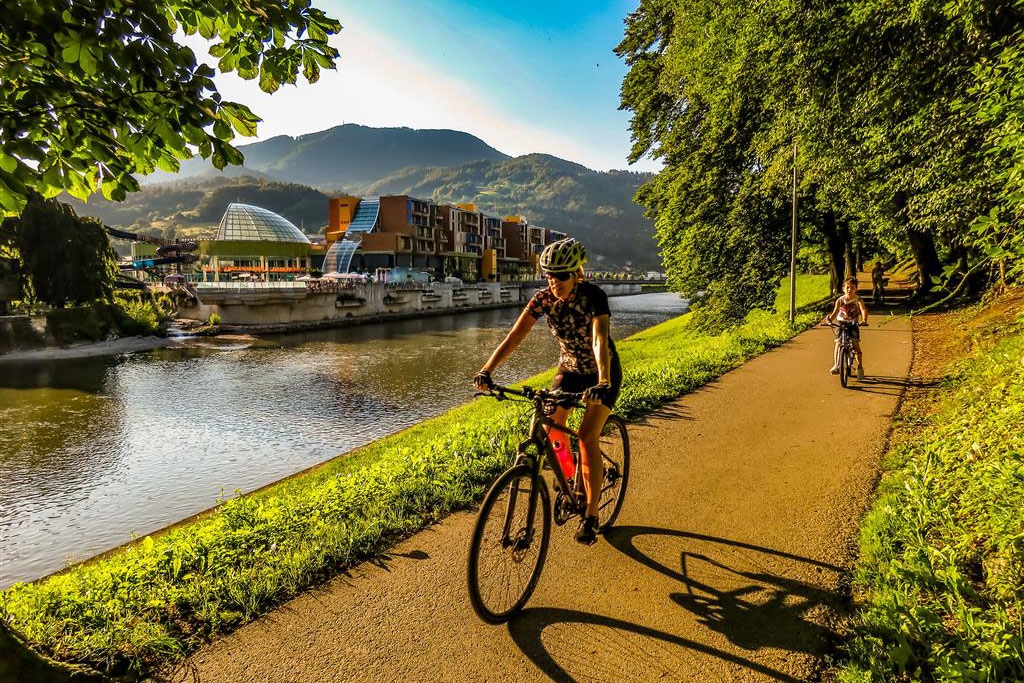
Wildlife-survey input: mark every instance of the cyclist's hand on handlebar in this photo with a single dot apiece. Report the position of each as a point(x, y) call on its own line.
point(483, 380)
point(599, 392)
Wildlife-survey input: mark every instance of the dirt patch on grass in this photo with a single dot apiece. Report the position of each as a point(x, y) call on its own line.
point(942, 339)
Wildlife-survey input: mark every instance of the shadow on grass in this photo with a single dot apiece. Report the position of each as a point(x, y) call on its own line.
point(19, 664)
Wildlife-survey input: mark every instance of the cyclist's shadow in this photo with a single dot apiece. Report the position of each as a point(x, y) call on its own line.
point(888, 385)
point(741, 591)
point(569, 645)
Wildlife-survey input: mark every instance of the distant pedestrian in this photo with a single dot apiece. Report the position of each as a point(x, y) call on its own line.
point(878, 284)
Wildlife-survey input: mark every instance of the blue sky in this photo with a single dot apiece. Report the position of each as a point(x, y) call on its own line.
point(522, 76)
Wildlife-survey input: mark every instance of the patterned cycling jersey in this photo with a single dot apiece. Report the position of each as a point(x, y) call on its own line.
point(571, 323)
point(849, 311)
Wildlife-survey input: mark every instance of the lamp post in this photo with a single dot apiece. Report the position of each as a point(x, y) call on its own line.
point(792, 251)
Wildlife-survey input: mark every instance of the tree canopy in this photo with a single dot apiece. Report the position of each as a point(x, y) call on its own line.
point(902, 116)
point(94, 91)
point(66, 259)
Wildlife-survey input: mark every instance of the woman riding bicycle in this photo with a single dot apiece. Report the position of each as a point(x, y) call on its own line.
point(578, 316)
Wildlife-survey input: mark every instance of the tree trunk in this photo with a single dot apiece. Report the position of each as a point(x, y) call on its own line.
point(925, 256)
point(851, 257)
point(835, 243)
point(922, 246)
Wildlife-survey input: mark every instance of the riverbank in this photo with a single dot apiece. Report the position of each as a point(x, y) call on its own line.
point(62, 328)
point(289, 306)
point(109, 347)
point(180, 588)
point(256, 309)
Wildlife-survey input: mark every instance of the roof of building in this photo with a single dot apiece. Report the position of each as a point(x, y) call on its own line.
point(242, 222)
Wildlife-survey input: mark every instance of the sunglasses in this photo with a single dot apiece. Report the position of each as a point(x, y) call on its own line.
point(561, 277)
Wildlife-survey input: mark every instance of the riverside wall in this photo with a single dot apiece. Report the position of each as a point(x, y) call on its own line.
point(298, 305)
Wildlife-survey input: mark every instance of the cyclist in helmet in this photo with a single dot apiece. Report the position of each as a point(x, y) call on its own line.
point(578, 315)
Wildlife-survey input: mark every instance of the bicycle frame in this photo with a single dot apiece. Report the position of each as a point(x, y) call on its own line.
point(541, 442)
point(541, 439)
point(509, 544)
point(846, 352)
point(845, 342)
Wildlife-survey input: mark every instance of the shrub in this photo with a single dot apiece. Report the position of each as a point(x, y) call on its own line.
point(166, 304)
point(80, 323)
point(214, 319)
point(139, 318)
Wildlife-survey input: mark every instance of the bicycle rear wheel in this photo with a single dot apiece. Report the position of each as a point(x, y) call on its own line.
point(615, 456)
point(505, 556)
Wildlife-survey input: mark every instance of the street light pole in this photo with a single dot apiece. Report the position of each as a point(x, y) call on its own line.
point(792, 251)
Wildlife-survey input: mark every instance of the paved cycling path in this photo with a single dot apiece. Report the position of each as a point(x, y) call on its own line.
point(741, 514)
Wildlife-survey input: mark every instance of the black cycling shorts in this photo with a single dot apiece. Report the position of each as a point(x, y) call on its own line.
point(575, 382)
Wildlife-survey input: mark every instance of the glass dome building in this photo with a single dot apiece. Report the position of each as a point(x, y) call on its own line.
point(253, 243)
point(245, 223)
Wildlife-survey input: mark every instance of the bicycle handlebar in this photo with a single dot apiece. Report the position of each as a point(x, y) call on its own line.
point(847, 322)
point(537, 395)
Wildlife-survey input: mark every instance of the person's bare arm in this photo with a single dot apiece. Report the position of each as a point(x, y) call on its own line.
point(863, 312)
point(834, 313)
point(519, 330)
point(602, 350)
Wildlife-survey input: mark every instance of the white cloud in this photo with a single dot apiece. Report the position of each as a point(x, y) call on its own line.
point(380, 84)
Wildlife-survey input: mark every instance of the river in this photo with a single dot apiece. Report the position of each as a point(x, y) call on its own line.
point(99, 450)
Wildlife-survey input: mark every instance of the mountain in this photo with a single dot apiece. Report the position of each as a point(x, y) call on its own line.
point(347, 156)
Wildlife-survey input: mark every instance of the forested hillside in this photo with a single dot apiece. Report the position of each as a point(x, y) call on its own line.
point(349, 156)
point(167, 209)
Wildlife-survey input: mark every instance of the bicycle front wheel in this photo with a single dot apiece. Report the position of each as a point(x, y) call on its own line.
point(510, 542)
point(615, 456)
point(845, 361)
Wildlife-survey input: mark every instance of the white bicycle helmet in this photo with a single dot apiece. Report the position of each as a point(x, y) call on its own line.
point(563, 256)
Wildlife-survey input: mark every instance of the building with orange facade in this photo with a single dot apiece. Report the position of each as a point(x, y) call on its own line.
point(372, 235)
point(375, 234)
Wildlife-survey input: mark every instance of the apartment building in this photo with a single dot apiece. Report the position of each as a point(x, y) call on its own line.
point(444, 240)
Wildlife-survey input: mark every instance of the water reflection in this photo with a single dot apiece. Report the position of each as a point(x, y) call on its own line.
point(96, 449)
point(60, 374)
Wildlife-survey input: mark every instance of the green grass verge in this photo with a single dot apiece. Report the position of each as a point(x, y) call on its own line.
point(152, 602)
point(940, 580)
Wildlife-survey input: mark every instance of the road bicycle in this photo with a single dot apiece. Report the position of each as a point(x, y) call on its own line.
point(847, 356)
point(513, 528)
